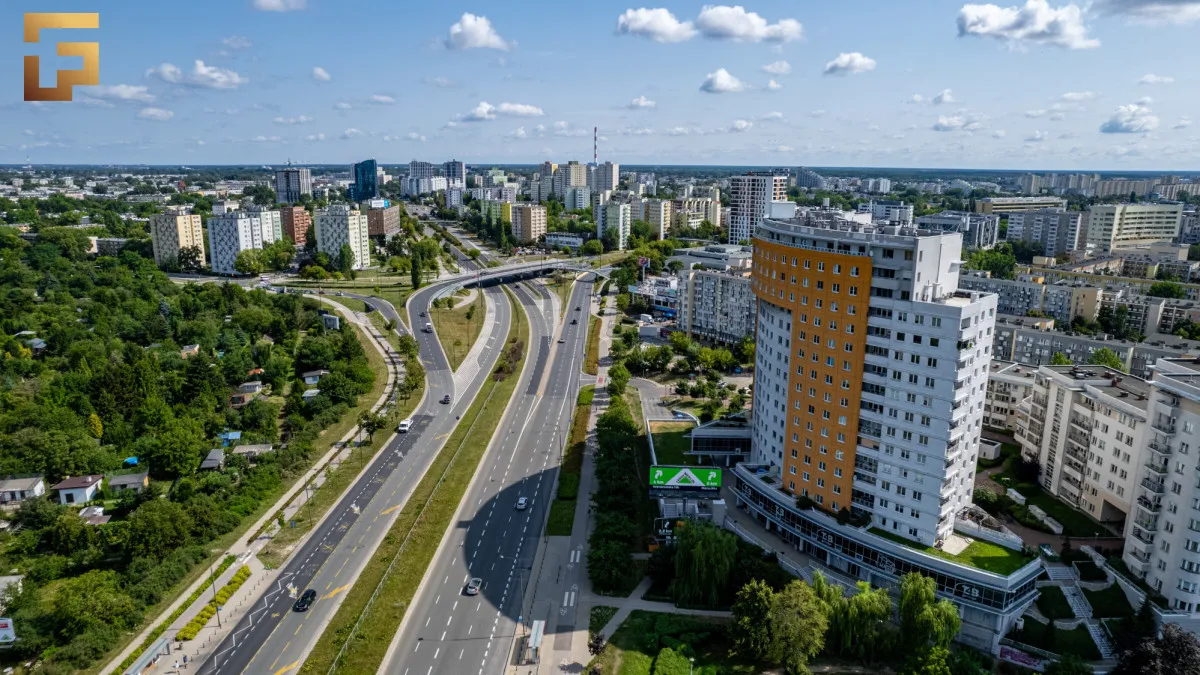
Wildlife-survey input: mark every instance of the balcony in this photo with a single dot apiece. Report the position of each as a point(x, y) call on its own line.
point(1155, 468)
point(1143, 537)
point(1081, 439)
point(1147, 523)
point(1155, 486)
point(1160, 447)
point(1141, 560)
point(1148, 505)
point(1080, 423)
point(1165, 427)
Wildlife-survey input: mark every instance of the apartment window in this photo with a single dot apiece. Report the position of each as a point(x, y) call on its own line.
point(854, 290)
point(853, 271)
point(820, 267)
point(804, 476)
point(806, 264)
point(820, 482)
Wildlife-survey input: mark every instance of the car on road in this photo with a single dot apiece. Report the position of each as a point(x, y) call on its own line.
point(340, 294)
point(561, 340)
point(577, 308)
point(522, 503)
point(422, 313)
point(473, 586)
point(305, 601)
point(446, 398)
point(574, 321)
point(428, 328)
point(404, 426)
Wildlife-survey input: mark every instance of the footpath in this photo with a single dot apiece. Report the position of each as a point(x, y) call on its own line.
point(246, 551)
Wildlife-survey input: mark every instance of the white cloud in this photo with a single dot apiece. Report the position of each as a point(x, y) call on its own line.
point(721, 82)
point(279, 5)
point(382, 99)
point(266, 139)
point(999, 133)
point(1036, 137)
point(519, 110)
point(343, 105)
point(1130, 119)
point(314, 137)
point(156, 114)
point(121, 92)
point(351, 133)
point(1183, 123)
point(475, 32)
point(1153, 11)
point(1145, 100)
point(289, 121)
point(237, 42)
point(818, 113)
point(320, 74)
point(414, 136)
point(773, 85)
point(915, 98)
point(1034, 23)
point(641, 102)
point(778, 68)
point(944, 96)
point(1077, 96)
point(658, 24)
point(1151, 78)
point(1058, 117)
point(776, 115)
point(849, 64)
point(721, 22)
point(964, 120)
point(740, 126)
point(483, 111)
point(440, 81)
point(684, 131)
point(1034, 114)
point(202, 75)
point(519, 132)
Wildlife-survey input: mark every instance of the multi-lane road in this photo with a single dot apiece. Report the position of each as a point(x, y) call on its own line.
point(272, 637)
point(445, 630)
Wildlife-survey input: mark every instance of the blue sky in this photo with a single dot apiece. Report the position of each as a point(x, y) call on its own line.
point(1103, 84)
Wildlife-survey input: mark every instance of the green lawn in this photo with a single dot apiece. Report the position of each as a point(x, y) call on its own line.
point(979, 554)
point(671, 441)
point(591, 358)
point(600, 616)
point(1053, 604)
point(1109, 603)
point(455, 331)
point(416, 533)
point(1062, 642)
point(1075, 523)
point(631, 650)
point(562, 518)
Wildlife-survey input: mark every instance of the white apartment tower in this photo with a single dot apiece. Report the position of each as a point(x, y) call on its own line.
point(176, 229)
point(1055, 230)
point(1128, 225)
point(605, 176)
point(232, 233)
point(750, 198)
point(614, 216)
point(871, 371)
point(338, 225)
point(271, 222)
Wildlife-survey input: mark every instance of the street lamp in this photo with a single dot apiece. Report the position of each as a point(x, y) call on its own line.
point(691, 664)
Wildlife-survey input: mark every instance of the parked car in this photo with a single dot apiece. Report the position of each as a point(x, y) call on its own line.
point(404, 426)
point(305, 601)
point(473, 586)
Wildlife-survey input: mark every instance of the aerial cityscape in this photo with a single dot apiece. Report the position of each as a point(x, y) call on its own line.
point(706, 339)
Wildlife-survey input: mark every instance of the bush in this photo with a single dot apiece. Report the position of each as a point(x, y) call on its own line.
point(671, 662)
point(192, 628)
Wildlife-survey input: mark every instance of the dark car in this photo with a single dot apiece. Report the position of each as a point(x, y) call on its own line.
point(574, 321)
point(446, 398)
point(577, 308)
point(305, 601)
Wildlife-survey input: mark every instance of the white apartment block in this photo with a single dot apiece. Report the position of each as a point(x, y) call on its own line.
point(708, 208)
point(571, 175)
point(454, 196)
point(888, 211)
point(1009, 383)
point(177, 228)
point(1016, 204)
point(1056, 231)
point(232, 233)
point(871, 371)
point(617, 217)
point(508, 193)
point(576, 198)
point(221, 207)
point(528, 222)
point(271, 222)
point(558, 240)
point(750, 198)
point(1113, 226)
point(338, 226)
point(605, 176)
point(658, 213)
point(979, 230)
point(1085, 426)
point(717, 306)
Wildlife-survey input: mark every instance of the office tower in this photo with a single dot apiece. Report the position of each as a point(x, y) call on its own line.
point(871, 370)
point(383, 221)
point(1127, 225)
point(1014, 204)
point(271, 222)
point(979, 230)
point(528, 222)
point(455, 173)
point(657, 213)
point(605, 176)
point(291, 183)
point(232, 233)
point(1054, 230)
point(366, 181)
point(750, 198)
point(617, 217)
point(339, 226)
point(420, 170)
point(296, 221)
point(176, 229)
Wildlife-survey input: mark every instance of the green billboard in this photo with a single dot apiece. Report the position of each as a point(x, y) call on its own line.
point(685, 478)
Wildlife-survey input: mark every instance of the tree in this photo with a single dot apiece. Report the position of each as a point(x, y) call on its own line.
point(857, 622)
point(798, 624)
point(1000, 261)
point(263, 195)
point(1069, 664)
point(923, 618)
point(190, 258)
point(249, 261)
point(1178, 652)
point(371, 422)
point(704, 561)
point(95, 426)
point(596, 643)
point(927, 661)
point(345, 259)
point(1060, 359)
point(1167, 289)
point(592, 247)
point(618, 378)
point(157, 528)
point(1107, 357)
point(608, 564)
point(751, 608)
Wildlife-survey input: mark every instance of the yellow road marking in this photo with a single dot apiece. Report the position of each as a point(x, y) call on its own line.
point(334, 592)
point(438, 438)
point(291, 666)
point(389, 510)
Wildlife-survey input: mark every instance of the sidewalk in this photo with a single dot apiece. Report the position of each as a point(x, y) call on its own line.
point(246, 549)
point(626, 606)
point(469, 368)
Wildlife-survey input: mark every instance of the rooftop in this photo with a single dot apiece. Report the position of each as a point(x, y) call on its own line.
point(78, 482)
point(1135, 391)
point(978, 554)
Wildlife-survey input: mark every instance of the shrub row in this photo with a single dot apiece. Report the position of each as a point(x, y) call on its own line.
point(192, 628)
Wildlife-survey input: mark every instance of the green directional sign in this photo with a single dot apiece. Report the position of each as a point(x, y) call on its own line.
point(685, 478)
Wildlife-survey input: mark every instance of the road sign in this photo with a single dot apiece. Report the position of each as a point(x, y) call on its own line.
point(685, 478)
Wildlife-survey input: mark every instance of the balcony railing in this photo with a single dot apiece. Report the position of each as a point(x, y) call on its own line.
point(1165, 427)
point(1081, 423)
point(1160, 447)
point(1153, 467)
point(1147, 523)
point(1144, 537)
point(1155, 486)
point(1140, 556)
point(1151, 506)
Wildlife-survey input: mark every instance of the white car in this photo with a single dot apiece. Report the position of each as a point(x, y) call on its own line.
point(404, 426)
point(522, 503)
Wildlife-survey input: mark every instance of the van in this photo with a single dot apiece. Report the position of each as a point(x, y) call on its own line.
point(428, 328)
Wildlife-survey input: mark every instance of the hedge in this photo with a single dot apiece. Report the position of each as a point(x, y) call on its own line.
point(192, 628)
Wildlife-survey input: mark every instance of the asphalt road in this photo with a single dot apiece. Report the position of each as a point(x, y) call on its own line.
point(272, 637)
point(445, 630)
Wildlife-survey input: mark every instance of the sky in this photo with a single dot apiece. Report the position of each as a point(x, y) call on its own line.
point(1023, 84)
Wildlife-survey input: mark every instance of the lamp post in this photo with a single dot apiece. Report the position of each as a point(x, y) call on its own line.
point(691, 664)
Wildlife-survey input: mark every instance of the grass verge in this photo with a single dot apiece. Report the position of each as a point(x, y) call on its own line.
point(458, 328)
point(591, 359)
point(562, 509)
point(1053, 604)
point(635, 646)
point(400, 561)
point(1109, 602)
point(562, 518)
point(671, 441)
point(599, 617)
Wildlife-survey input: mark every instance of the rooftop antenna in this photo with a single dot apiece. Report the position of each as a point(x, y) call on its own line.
point(596, 146)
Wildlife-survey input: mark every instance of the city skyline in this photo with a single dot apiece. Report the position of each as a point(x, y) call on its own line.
point(964, 86)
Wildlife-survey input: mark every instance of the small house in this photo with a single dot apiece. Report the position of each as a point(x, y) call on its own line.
point(247, 391)
point(130, 481)
point(228, 437)
point(310, 394)
point(189, 350)
point(314, 376)
point(36, 345)
point(16, 490)
point(253, 451)
point(214, 461)
point(78, 490)
point(94, 515)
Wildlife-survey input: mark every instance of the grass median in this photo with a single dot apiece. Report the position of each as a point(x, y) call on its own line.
point(591, 359)
point(396, 569)
point(458, 328)
point(562, 509)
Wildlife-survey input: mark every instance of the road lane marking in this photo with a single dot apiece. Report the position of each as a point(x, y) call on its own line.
point(290, 666)
point(335, 591)
point(390, 509)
